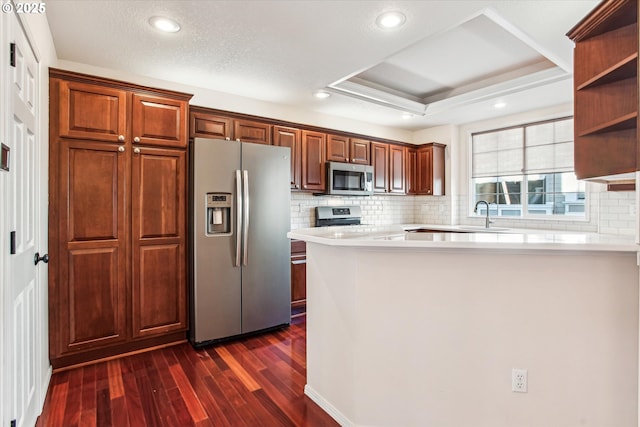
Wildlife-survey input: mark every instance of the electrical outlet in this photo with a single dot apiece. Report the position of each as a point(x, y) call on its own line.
point(519, 380)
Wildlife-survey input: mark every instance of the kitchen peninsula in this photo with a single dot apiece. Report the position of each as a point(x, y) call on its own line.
point(424, 328)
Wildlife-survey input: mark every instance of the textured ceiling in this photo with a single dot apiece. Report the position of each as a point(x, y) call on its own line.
point(454, 58)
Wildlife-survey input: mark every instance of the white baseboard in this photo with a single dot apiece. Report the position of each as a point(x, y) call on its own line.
point(328, 407)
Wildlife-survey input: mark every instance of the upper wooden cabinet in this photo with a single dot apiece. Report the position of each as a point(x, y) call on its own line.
point(101, 113)
point(425, 170)
point(348, 150)
point(313, 161)
point(117, 217)
point(606, 90)
point(389, 170)
point(380, 163)
point(397, 167)
point(207, 125)
point(291, 137)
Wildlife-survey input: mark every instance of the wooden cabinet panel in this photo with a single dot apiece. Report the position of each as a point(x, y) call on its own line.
point(94, 309)
point(159, 230)
point(396, 169)
point(298, 273)
point(249, 131)
point(159, 121)
point(94, 177)
point(313, 158)
point(380, 162)
point(348, 150)
point(411, 171)
point(290, 137)
point(90, 303)
point(360, 150)
point(158, 298)
point(91, 112)
point(337, 148)
point(210, 126)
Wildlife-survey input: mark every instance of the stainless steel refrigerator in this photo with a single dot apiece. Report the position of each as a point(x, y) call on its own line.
point(240, 211)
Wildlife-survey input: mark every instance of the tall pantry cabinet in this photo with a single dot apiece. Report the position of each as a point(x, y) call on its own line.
point(117, 217)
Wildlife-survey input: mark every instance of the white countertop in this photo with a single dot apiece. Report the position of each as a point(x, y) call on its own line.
point(463, 237)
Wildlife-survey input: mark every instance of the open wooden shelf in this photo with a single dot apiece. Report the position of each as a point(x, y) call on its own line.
point(628, 121)
point(622, 70)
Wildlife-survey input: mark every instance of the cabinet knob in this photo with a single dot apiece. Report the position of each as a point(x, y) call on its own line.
point(121, 148)
point(136, 139)
point(136, 150)
point(121, 138)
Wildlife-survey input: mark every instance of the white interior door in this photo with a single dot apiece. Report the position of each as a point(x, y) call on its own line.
point(22, 312)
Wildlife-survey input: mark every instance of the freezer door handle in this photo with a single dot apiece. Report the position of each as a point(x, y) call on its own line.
point(238, 217)
point(245, 217)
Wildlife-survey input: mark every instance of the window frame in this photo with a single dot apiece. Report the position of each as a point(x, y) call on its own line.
point(524, 207)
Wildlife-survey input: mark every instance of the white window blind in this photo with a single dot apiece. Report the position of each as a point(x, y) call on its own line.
point(531, 149)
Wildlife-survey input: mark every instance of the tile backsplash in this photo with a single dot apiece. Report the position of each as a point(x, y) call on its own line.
point(609, 212)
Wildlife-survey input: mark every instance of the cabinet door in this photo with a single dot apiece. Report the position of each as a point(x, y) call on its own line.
point(397, 169)
point(90, 295)
point(249, 131)
point(360, 150)
point(91, 112)
point(412, 171)
point(337, 148)
point(158, 204)
point(209, 126)
point(313, 169)
point(159, 121)
point(425, 171)
point(380, 162)
point(290, 137)
point(298, 273)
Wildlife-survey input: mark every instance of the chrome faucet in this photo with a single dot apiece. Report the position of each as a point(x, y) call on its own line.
point(487, 221)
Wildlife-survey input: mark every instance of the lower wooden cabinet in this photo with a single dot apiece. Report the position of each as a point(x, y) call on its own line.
point(298, 274)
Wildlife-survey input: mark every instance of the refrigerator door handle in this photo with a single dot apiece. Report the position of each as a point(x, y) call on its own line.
point(238, 217)
point(245, 217)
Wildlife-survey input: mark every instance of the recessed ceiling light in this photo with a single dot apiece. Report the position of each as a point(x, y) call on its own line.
point(390, 20)
point(407, 116)
point(500, 104)
point(164, 24)
point(321, 94)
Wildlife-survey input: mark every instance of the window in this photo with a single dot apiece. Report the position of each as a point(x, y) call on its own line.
point(527, 171)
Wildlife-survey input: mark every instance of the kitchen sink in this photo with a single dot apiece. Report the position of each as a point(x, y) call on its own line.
point(459, 229)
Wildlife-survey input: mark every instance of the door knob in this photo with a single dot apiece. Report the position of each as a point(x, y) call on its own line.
point(37, 258)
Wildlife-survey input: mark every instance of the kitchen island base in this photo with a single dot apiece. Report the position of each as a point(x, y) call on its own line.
point(429, 336)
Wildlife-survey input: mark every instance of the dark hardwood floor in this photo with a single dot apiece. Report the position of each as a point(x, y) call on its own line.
point(254, 382)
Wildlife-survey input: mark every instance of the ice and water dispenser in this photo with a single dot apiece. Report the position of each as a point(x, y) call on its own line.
point(219, 214)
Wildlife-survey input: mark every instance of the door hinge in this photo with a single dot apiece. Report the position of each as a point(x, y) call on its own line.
point(12, 53)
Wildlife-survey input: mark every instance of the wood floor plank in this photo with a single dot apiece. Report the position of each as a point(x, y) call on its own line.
point(116, 389)
point(74, 399)
point(196, 410)
point(256, 381)
point(237, 369)
point(88, 416)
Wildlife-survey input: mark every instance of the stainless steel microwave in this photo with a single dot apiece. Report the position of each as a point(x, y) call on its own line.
point(346, 179)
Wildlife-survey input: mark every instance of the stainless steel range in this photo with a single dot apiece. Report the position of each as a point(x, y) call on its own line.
point(338, 215)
